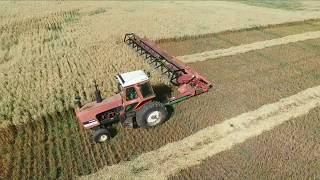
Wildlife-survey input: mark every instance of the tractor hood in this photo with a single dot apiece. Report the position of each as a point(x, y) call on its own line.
point(89, 111)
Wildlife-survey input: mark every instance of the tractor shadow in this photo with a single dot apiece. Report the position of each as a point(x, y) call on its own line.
point(170, 110)
point(163, 93)
point(113, 131)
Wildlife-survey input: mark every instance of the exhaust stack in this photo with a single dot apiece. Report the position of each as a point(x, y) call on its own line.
point(77, 101)
point(97, 92)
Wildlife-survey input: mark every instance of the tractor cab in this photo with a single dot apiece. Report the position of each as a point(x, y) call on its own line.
point(135, 89)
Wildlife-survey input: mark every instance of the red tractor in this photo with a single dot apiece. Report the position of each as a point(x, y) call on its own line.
point(136, 101)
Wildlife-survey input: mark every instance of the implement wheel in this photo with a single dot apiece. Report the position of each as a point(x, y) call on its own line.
point(151, 115)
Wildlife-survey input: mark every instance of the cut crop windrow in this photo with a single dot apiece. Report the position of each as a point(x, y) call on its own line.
point(289, 150)
point(249, 47)
point(305, 46)
point(213, 41)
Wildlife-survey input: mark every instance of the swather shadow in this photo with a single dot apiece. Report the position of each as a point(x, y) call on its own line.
point(163, 93)
point(113, 131)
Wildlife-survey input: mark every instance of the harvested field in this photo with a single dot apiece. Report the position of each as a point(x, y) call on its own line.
point(223, 40)
point(54, 53)
point(265, 81)
point(283, 4)
point(311, 5)
point(290, 150)
point(67, 45)
point(249, 47)
point(161, 163)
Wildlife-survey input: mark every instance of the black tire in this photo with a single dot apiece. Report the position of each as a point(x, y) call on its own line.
point(151, 115)
point(101, 135)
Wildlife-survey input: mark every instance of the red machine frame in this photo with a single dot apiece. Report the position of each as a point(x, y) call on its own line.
point(190, 82)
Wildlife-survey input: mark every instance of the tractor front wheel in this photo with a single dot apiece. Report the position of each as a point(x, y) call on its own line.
point(151, 115)
point(101, 135)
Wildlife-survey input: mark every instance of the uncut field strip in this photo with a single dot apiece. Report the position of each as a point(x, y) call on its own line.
point(161, 163)
point(249, 47)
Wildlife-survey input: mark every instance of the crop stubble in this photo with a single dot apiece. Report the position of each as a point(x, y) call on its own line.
point(208, 42)
point(161, 163)
point(290, 150)
point(203, 56)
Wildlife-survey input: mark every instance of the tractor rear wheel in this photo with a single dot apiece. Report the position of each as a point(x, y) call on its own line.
point(151, 115)
point(101, 135)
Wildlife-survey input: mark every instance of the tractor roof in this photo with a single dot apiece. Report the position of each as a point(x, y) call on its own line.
point(130, 78)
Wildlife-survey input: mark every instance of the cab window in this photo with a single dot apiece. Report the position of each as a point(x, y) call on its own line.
point(146, 90)
point(131, 93)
